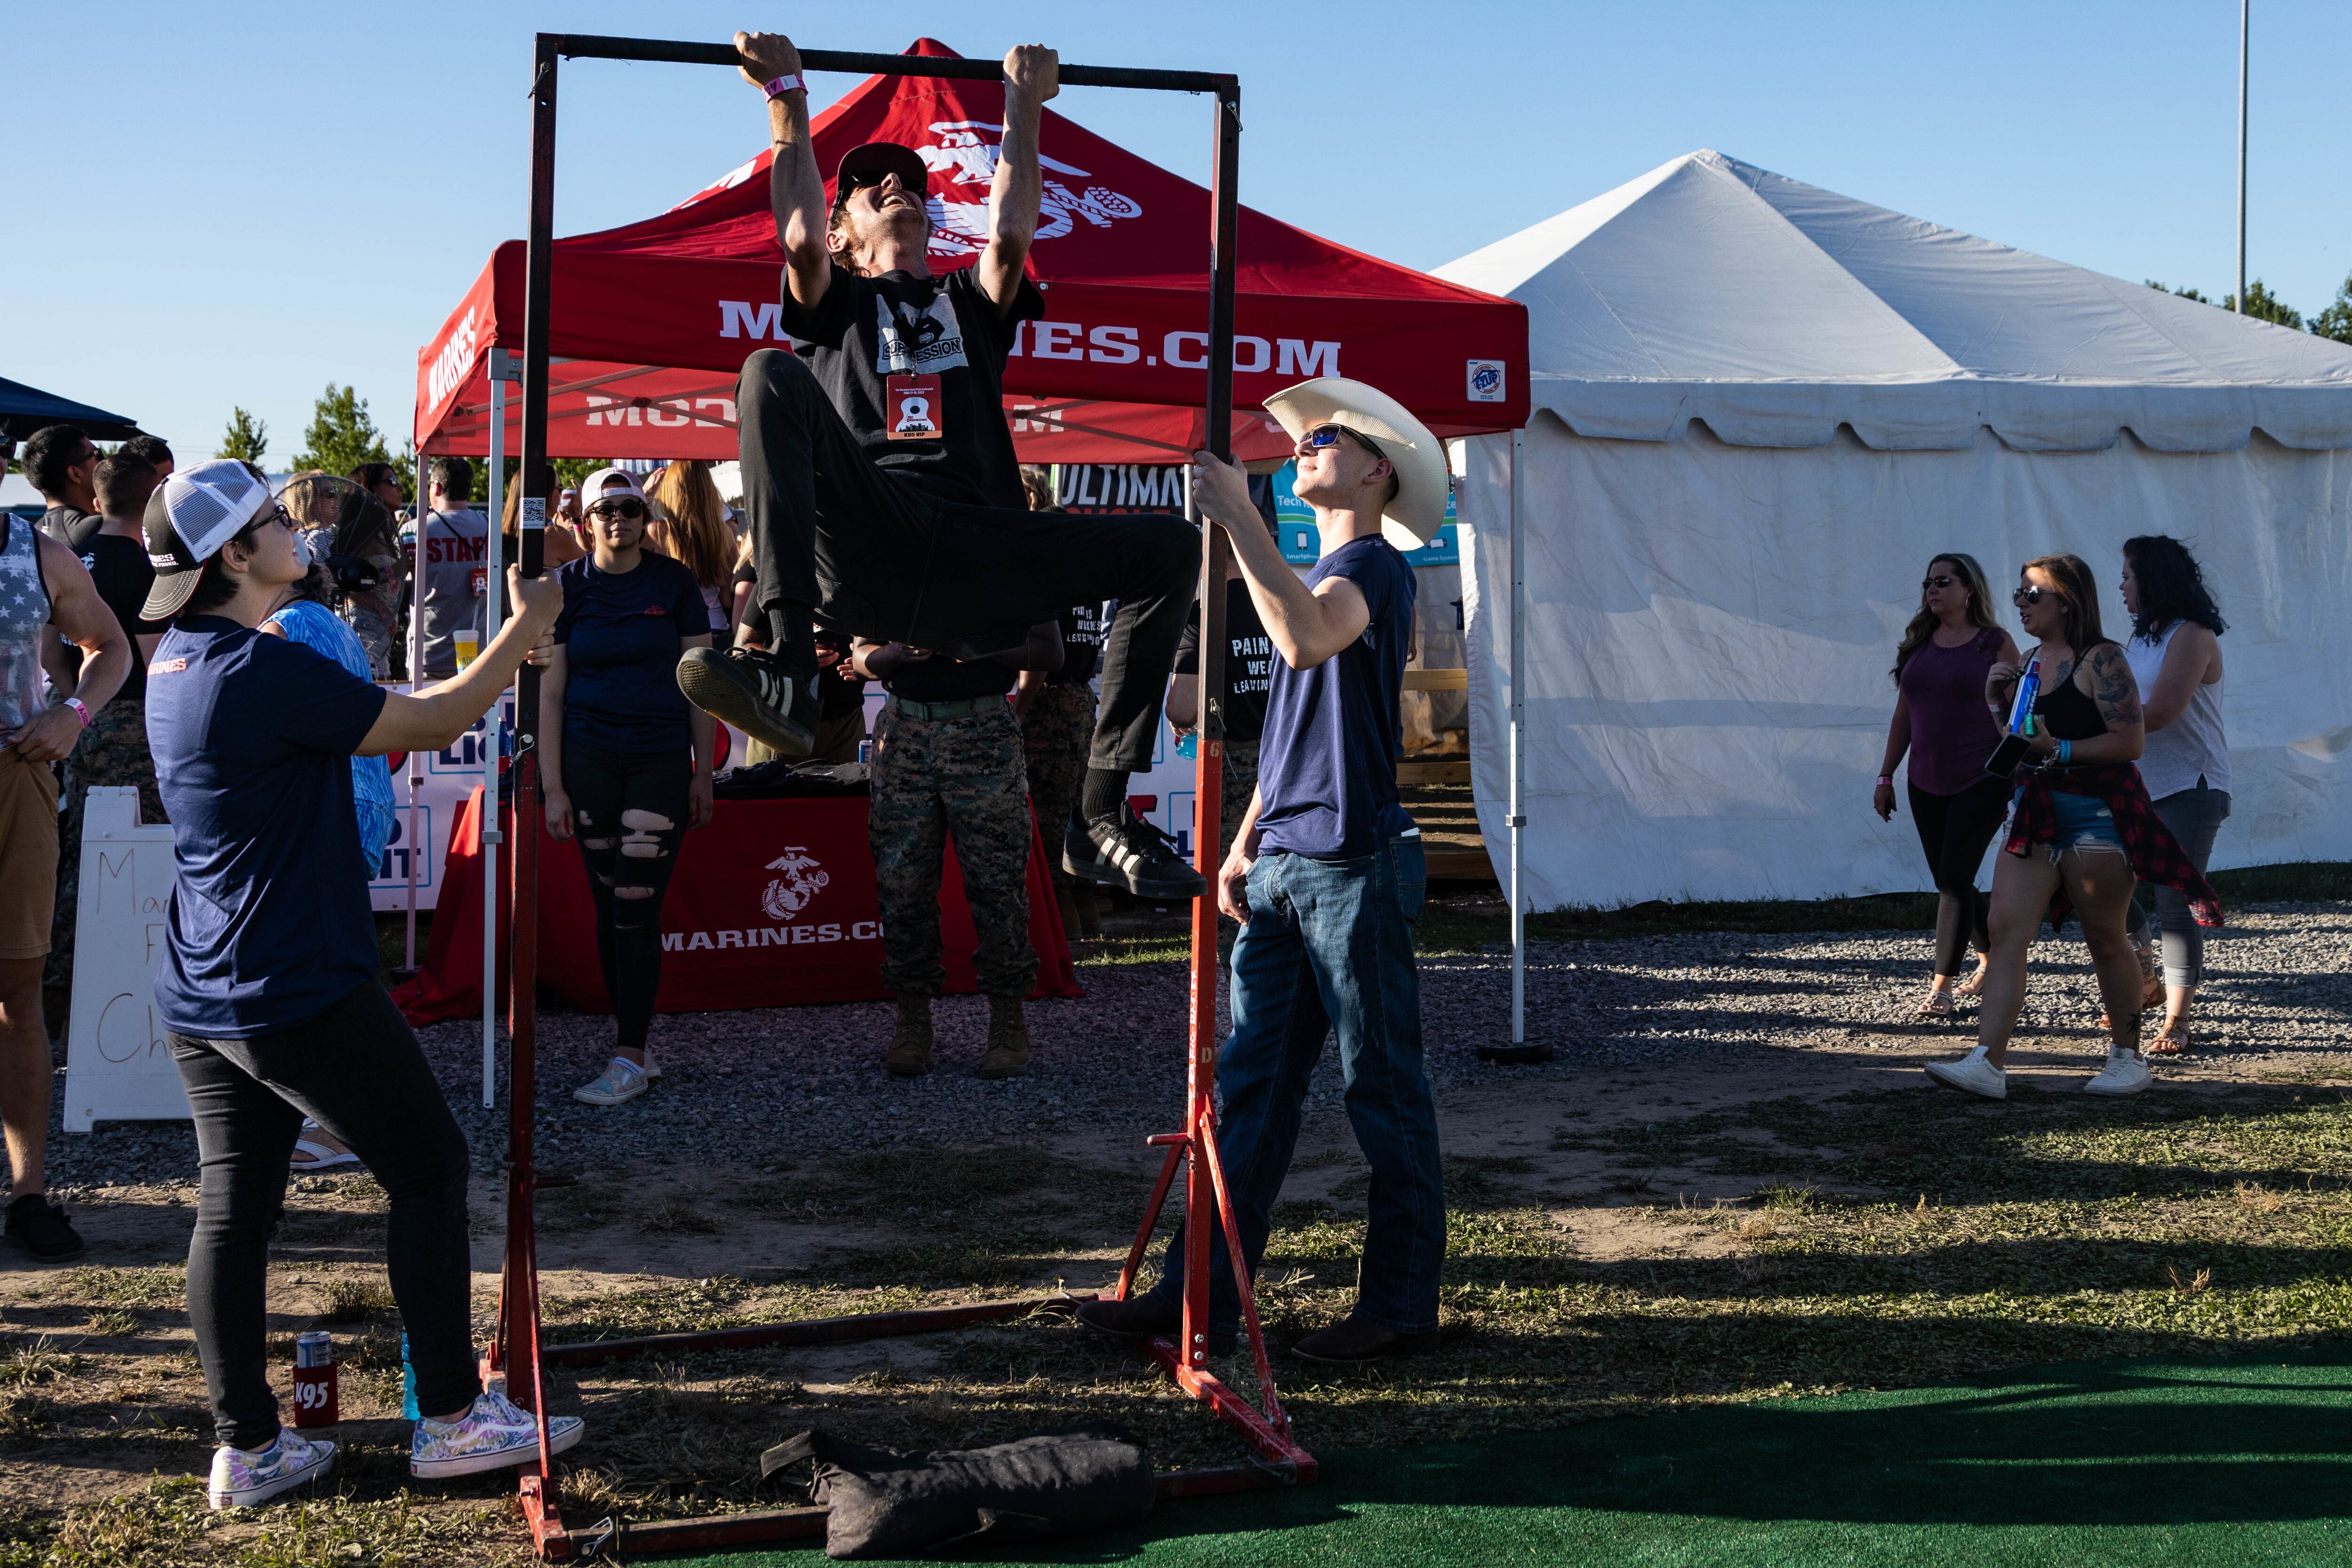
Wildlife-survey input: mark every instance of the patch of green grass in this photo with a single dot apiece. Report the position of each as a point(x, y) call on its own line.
point(915, 1187)
point(2293, 881)
point(676, 1216)
point(168, 1523)
point(354, 1299)
point(161, 1287)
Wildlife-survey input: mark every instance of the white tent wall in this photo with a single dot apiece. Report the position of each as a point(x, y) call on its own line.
point(1710, 628)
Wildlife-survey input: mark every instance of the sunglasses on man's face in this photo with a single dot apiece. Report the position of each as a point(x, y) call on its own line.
point(862, 179)
point(1927, 584)
point(625, 511)
point(2027, 598)
point(1324, 436)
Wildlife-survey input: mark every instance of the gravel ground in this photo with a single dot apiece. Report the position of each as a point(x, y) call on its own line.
point(747, 1091)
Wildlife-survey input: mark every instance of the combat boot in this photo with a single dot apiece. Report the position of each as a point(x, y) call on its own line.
point(910, 1055)
point(1008, 1039)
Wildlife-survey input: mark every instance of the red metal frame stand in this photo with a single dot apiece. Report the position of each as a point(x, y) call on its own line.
point(516, 1352)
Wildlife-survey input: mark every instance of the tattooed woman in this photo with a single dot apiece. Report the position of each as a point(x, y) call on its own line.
point(2079, 828)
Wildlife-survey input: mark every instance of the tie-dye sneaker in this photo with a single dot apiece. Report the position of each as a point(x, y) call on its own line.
point(240, 1479)
point(494, 1434)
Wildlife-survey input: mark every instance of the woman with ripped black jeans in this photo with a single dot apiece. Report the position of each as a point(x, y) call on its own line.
point(627, 757)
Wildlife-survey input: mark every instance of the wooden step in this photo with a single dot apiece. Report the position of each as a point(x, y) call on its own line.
point(1448, 772)
point(1437, 680)
point(1456, 864)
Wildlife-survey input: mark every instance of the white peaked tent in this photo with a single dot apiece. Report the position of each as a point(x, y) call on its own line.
point(1759, 409)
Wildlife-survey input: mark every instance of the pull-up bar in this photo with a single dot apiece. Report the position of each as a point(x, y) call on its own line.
point(517, 1338)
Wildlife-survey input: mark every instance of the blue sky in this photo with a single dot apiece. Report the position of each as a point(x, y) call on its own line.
point(214, 204)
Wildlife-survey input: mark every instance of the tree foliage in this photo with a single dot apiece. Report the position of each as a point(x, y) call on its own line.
point(342, 436)
point(246, 438)
point(2336, 321)
point(2264, 306)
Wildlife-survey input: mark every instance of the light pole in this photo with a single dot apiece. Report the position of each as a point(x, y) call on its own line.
point(2245, 34)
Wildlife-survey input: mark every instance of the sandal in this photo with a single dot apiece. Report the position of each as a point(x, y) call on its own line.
point(311, 1157)
point(2169, 1040)
point(1974, 985)
point(1937, 1005)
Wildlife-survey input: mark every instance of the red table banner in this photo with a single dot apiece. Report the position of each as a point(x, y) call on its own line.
point(773, 904)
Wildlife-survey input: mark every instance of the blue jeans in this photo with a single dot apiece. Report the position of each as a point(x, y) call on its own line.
point(1329, 947)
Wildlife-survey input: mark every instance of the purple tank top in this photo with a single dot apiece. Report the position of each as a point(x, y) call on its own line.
point(1952, 732)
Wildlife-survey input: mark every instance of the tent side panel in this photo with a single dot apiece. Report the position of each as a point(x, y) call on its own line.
point(1710, 629)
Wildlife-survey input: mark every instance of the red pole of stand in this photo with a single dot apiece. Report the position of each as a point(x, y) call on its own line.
point(518, 1314)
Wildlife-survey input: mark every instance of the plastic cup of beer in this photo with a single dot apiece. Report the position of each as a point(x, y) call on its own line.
point(469, 642)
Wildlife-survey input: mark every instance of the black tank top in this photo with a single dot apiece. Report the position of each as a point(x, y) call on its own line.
point(2065, 713)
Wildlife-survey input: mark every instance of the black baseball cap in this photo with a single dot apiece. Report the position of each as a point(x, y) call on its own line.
point(883, 158)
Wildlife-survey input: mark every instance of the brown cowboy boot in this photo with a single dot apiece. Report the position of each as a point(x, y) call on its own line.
point(1008, 1039)
point(910, 1055)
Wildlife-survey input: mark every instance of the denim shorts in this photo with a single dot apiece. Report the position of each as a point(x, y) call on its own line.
point(2084, 823)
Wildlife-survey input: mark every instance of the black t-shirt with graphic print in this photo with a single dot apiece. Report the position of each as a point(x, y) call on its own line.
point(915, 366)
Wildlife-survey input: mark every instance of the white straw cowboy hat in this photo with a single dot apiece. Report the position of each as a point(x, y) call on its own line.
point(1423, 480)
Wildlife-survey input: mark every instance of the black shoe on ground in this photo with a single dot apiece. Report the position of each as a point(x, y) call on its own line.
point(1141, 1317)
point(1133, 854)
point(751, 690)
point(38, 1227)
point(1350, 1343)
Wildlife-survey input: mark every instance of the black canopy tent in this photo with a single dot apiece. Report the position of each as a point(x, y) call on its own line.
point(24, 410)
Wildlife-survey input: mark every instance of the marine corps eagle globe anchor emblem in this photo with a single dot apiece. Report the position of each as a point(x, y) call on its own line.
point(790, 893)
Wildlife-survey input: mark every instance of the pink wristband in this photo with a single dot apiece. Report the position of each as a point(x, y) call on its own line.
point(782, 85)
point(80, 711)
point(1886, 778)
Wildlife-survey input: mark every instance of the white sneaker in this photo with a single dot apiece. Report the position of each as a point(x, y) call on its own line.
point(653, 1068)
point(621, 1080)
point(1973, 1074)
point(2126, 1074)
point(241, 1479)
point(494, 1435)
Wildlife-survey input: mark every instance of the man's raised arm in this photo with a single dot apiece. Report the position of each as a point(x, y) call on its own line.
point(1032, 73)
point(795, 189)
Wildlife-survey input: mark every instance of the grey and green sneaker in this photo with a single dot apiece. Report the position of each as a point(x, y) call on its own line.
point(495, 1435)
point(240, 1478)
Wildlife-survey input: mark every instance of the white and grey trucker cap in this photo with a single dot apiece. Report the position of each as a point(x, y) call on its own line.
point(189, 517)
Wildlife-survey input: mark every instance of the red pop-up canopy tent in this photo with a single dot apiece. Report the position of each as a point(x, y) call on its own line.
point(652, 321)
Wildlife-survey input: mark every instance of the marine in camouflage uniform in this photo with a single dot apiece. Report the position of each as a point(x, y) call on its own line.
point(965, 777)
point(111, 752)
point(1058, 726)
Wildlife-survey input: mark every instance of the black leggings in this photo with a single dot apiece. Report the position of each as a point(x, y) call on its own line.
point(356, 1070)
point(628, 810)
point(1954, 830)
point(884, 558)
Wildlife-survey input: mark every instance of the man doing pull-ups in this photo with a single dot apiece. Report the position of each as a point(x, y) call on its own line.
point(879, 475)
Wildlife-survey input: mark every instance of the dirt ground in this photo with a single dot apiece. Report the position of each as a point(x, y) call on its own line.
point(1600, 1219)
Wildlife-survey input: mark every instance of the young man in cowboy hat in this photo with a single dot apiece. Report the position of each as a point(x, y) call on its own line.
point(879, 475)
point(1325, 878)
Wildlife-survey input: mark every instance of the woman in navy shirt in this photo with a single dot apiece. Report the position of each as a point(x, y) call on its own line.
point(627, 757)
point(267, 986)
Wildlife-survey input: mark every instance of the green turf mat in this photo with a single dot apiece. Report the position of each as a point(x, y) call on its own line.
point(2116, 1464)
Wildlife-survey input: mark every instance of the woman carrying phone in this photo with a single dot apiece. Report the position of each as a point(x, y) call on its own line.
point(1941, 721)
point(626, 757)
point(2080, 831)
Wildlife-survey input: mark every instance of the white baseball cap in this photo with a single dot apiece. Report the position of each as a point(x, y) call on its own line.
point(189, 517)
point(608, 482)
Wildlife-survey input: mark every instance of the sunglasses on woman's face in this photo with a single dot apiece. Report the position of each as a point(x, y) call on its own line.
point(1927, 584)
point(2027, 598)
point(625, 511)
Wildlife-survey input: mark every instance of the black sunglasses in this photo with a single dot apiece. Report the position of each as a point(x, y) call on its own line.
point(1323, 435)
point(2024, 598)
point(859, 179)
point(1928, 583)
point(626, 510)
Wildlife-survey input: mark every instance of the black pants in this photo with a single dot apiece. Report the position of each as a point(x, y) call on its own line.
point(1954, 830)
point(356, 1070)
point(876, 554)
point(628, 811)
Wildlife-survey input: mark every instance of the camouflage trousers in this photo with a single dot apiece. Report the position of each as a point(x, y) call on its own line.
point(111, 751)
point(963, 779)
point(1056, 729)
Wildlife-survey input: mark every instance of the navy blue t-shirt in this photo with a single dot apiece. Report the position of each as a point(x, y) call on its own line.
point(620, 631)
point(1326, 765)
point(252, 737)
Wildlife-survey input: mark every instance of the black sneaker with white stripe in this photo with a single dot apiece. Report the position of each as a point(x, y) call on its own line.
point(751, 690)
point(1130, 853)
